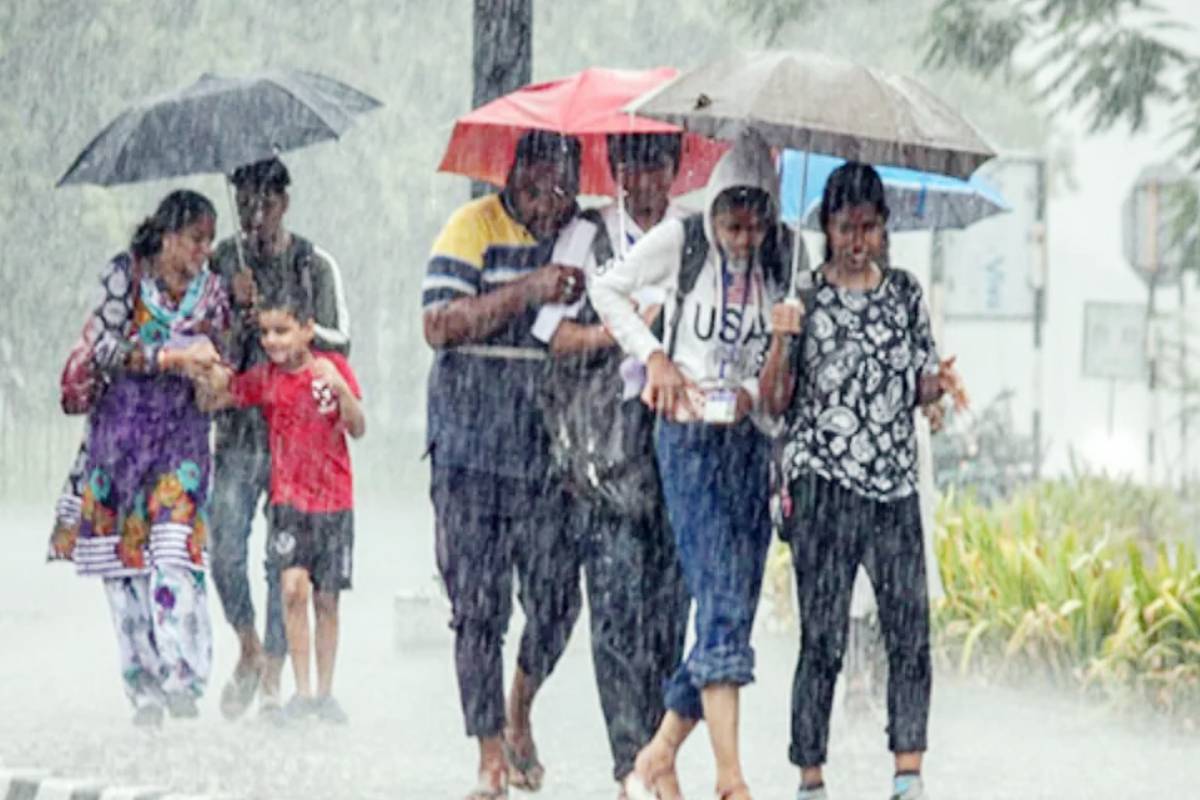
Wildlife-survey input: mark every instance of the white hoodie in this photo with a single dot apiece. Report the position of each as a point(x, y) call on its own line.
point(712, 324)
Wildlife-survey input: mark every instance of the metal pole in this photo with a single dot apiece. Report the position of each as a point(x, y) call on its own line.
point(1040, 274)
point(1183, 385)
point(1152, 356)
point(937, 285)
point(1112, 404)
point(799, 242)
point(502, 54)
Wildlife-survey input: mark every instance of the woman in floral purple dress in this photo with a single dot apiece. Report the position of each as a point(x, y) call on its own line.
point(145, 472)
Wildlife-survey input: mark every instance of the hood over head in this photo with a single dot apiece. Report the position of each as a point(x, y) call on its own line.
point(749, 163)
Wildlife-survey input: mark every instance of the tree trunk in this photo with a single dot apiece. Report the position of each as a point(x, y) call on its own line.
point(503, 54)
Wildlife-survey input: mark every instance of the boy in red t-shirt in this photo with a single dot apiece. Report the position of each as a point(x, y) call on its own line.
point(310, 401)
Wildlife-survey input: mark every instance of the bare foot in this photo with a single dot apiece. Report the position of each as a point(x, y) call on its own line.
point(667, 786)
point(653, 774)
point(738, 791)
point(491, 785)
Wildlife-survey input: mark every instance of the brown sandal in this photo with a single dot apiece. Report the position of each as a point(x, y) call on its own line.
point(728, 794)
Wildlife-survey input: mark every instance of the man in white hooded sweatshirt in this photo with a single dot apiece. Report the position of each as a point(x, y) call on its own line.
point(721, 272)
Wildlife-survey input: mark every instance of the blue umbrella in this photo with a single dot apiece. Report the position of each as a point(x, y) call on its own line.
point(918, 200)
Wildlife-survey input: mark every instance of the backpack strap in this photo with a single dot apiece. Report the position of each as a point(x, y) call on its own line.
point(691, 264)
point(602, 249)
point(302, 267)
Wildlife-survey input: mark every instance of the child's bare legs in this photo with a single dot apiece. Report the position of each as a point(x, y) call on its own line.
point(297, 589)
point(325, 606)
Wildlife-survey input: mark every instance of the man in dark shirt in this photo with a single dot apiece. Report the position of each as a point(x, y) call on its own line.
point(271, 260)
point(496, 507)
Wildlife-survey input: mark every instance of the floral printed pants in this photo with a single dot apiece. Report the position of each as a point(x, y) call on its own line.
point(163, 633)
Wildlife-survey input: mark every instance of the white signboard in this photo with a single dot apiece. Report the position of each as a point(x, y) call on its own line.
point(1114, 341)
point(989, 266)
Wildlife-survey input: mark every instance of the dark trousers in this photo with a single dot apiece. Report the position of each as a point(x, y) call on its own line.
point(241, 478)
point(639, 609)
point(487, 528)
point(832, 530)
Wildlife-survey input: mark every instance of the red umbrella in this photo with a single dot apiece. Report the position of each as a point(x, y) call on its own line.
point(586, 105)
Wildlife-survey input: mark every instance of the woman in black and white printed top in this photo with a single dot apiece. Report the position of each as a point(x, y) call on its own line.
point(849, 371)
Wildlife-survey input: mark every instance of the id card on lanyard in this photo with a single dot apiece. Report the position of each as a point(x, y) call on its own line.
point(720, 402)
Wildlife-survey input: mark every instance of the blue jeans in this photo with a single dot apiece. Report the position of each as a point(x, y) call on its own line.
point(716, 485)
point(241, 478)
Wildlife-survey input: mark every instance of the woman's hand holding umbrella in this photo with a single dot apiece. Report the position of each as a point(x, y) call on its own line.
point(787, 318)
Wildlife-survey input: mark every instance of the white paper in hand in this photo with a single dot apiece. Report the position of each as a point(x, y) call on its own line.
point(573, 248)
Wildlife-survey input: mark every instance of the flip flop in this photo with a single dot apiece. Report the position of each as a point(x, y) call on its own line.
point(524, 772)
point(239, 691)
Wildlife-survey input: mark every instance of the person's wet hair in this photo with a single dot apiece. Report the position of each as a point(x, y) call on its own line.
point(176, 211)
point(646, 150)
point(269, 175)
point(548, 147)
point(293, 300)
point(745, 197)
point(852, 184)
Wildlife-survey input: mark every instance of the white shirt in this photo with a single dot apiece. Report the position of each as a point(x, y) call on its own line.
point(713, 320)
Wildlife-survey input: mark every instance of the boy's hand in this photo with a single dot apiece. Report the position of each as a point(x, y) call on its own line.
point(324, 370)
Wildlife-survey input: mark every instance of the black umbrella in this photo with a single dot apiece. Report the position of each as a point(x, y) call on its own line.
point(218, 124)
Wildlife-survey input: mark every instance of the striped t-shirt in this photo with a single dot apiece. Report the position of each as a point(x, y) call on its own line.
point(482, 411)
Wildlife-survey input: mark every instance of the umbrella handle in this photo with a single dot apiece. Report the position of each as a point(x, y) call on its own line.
point(237, 227)
point(798, 242)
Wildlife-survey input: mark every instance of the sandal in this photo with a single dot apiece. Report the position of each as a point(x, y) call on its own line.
point(239, 691)
point(524, 772)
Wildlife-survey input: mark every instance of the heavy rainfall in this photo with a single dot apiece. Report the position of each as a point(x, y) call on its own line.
point(734, 398)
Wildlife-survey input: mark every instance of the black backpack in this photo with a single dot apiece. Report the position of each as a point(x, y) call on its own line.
point(601, 447)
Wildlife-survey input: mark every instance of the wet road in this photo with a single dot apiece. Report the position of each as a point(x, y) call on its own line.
point(61, 708)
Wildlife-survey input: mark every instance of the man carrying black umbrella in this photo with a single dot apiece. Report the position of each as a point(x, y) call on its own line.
point(272, 259)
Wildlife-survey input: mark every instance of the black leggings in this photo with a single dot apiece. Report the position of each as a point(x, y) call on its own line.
point(831, 531)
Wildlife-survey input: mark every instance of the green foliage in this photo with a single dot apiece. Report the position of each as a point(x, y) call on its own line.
point(1085, 583)
point(1109, 57)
